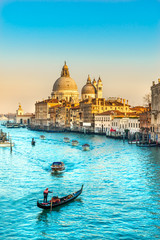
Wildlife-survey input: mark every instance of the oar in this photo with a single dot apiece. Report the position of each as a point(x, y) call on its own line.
point(51, 202)
point(51, 205)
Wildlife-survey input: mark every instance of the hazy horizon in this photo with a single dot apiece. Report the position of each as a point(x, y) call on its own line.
point(116, 40)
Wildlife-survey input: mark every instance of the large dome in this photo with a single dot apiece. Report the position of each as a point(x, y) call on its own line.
point(65, 87)
point(88, 89)
point(65, 83)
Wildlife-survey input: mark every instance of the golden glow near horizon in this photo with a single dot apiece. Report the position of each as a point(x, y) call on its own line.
point(28, 84)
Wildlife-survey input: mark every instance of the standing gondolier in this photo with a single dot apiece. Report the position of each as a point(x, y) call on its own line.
point(45, 194)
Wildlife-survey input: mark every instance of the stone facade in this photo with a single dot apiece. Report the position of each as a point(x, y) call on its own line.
point(155, 112)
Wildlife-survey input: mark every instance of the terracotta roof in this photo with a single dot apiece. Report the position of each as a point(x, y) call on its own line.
point(76, 107)
point(114, 112)
point(49, 101)
point(56, 106)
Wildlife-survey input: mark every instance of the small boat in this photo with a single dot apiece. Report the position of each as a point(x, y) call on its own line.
point(86, 147)
point(75, 142)
point(42, 137)
point(134, 142)
point(66, 140)
point(6, 144)
point(57, 166)
point(147, 145)
point(62, 201)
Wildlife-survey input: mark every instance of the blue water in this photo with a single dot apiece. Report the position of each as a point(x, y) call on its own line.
point(120, 200)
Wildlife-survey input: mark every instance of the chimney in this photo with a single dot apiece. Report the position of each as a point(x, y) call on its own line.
point(153, 83)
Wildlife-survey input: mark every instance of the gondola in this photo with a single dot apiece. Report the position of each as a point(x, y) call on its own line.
point(63, 200)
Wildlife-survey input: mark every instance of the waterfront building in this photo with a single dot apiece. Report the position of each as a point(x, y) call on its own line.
point(155, 112)
point(42, 115)
point(22, 118)
point(75, 117)
point(125, 124)
point(116, 121)
point(145, 120)
point(103, 121)
point(91, 107)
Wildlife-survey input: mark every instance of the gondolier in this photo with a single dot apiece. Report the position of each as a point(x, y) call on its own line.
point(45, 194)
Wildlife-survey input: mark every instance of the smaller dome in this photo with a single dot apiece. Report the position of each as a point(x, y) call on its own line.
point(89, 88)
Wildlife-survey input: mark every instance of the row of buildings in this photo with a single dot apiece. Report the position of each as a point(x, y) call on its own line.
point(90, 112)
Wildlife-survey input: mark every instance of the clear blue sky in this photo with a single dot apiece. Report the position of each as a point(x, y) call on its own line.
point(118, 40)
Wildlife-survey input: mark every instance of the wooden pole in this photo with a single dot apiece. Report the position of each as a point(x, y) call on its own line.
point(10, 145)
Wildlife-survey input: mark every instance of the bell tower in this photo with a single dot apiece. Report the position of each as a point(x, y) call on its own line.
point(20, 110)
point(99, 88)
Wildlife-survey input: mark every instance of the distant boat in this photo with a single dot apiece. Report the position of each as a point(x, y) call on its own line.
point(134, 142)
point(61, 201)
point(42, 137)
point(86, 147)
point(13, 125)
point(75, 142)
point(66, 140)
point(57, 166)
point(147, 145)
point(6, 144)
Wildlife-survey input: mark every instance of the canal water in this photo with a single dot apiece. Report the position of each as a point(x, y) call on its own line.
point(120, 199)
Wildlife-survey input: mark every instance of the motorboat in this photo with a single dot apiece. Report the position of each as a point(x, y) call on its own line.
point(75, 142)
point(57, 166)
point(86, 147)
point(66, 140)
point(42, 137)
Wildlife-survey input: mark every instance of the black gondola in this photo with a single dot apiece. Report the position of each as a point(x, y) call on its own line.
point(62, 201)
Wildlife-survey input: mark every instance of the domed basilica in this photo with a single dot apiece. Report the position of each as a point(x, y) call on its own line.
point(65, 88)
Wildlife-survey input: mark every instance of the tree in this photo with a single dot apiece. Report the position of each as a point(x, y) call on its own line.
point(147, 99)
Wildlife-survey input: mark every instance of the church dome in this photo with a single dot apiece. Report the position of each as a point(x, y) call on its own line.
point(65, 82)
point(88, 88)
point(65, 87)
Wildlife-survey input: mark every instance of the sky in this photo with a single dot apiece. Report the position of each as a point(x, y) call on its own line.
point(118, 40)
